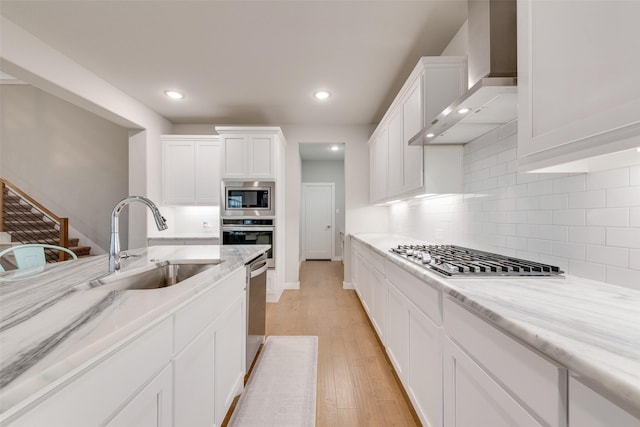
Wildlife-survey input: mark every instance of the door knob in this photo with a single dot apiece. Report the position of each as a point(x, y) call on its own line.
point(328, 227)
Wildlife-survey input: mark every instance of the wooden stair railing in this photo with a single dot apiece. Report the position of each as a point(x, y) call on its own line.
point(10, 191)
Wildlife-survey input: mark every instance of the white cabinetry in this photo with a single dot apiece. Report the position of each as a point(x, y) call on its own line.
point(190, 170)
point(184, 371)
point(151, 407)
point(397, 169)
point(490, 379)
point(589, 409)
point(129, 372)
point(414, 340)
point(370, 284)
point(578, 89)
point(249, 153)
point(209, 368)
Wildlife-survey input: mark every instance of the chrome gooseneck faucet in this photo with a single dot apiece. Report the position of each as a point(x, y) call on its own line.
point(114, 247)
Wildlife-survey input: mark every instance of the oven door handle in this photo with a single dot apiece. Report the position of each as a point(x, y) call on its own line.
point(259, 270)
point(248, 228)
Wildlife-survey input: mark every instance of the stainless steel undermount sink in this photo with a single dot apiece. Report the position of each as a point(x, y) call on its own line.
point(161, 275)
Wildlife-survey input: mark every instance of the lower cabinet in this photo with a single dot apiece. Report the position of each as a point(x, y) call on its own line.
point(472, 398)
point(184, 371)
point(492, 379)
point(589, 409)
point(194, 382)
point(151, 407)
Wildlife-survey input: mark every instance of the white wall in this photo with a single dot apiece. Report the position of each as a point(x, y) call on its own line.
point(359, 215)
point(588, 224)
point(458, 46)
point(31, 60)
point(329, 171)
point(71, 161)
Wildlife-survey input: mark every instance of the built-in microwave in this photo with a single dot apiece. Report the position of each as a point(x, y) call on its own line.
point(248, 198)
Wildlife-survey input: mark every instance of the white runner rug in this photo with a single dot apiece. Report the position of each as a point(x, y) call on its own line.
point(281, 390)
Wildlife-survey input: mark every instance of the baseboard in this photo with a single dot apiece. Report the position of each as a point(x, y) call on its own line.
point(347, 285)
point(291, 285)
point(274, 296)
point(337, 258)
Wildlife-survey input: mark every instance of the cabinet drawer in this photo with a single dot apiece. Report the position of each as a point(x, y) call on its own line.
point(191, 319)
point(535, 382)
point(94, 396)
point(422, 295)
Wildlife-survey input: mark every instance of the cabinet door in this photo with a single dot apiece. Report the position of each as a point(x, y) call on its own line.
point(194, 382)
point(412, 122)
point(578, 94)
point(178, 173)
point(261, 157)
point(397, 342)
point(229, 358)
point(207, 173)
point(425, 367)
point(378, 166)
point(152, 407)
point(472, 398)
point(396, 154)
point(379, 304)
point(588, 409)
point(234, 156)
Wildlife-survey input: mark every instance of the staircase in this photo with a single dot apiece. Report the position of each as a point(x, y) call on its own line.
point(28, 222)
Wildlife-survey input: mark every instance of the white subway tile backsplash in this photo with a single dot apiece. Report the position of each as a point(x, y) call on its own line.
point(569, 250)
point(555, 201)
point(591, 235)
point(608, 217)
point(540, 188)
point(608, 179)
point(634, 175)
point(623, 277)
point(570, 184)
point(634, 217)
point(623, 237)
point(607, 255)
point(540, 246)
point(623, 196)
point(634, 259)
point(589, 270)
point(569, 217)
point(540, 217)
point(588, 199)
point(554, 232)
point(586, 224)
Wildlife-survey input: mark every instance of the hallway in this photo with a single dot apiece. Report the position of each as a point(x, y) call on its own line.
point(356, 385)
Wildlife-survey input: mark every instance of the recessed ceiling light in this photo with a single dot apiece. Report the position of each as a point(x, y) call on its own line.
point(429, 135)
point(321, 95)
point(335, 148)
point(173, 94)
point(463, 110)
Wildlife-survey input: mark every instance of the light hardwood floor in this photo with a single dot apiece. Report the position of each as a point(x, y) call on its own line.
point(356, 384)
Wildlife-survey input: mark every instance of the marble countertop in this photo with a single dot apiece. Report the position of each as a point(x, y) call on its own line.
point(591, 328)
point(49, 331)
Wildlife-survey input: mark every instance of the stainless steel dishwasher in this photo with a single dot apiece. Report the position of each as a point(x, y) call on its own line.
point(256, 305)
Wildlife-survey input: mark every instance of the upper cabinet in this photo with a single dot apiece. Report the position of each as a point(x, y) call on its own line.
point(190, 170)
point(398, 170)
point(579, 97)
point(249, 153)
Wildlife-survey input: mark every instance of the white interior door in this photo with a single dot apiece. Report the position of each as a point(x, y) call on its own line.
point(318, 220)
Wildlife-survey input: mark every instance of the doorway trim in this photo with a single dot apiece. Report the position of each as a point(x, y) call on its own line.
point(303, 216)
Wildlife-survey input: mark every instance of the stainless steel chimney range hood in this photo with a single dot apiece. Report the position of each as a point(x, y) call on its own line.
point(492, 98)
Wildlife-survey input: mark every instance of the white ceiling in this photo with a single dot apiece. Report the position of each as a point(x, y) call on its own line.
point(248, 62)
point(321, 151)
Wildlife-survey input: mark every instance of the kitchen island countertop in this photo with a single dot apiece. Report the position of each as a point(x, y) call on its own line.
point(50, 331)
point(591, 328)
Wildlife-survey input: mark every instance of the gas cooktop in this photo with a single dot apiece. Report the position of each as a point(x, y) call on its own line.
point(457, 261)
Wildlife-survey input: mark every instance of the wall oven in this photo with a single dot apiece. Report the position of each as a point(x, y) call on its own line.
point(248, 198)
point(250, 231)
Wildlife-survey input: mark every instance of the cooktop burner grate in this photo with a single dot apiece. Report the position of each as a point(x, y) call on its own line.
point(451, 260)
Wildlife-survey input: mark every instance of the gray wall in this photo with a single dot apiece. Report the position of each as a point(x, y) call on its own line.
point(329, 171)
point(70, 160)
